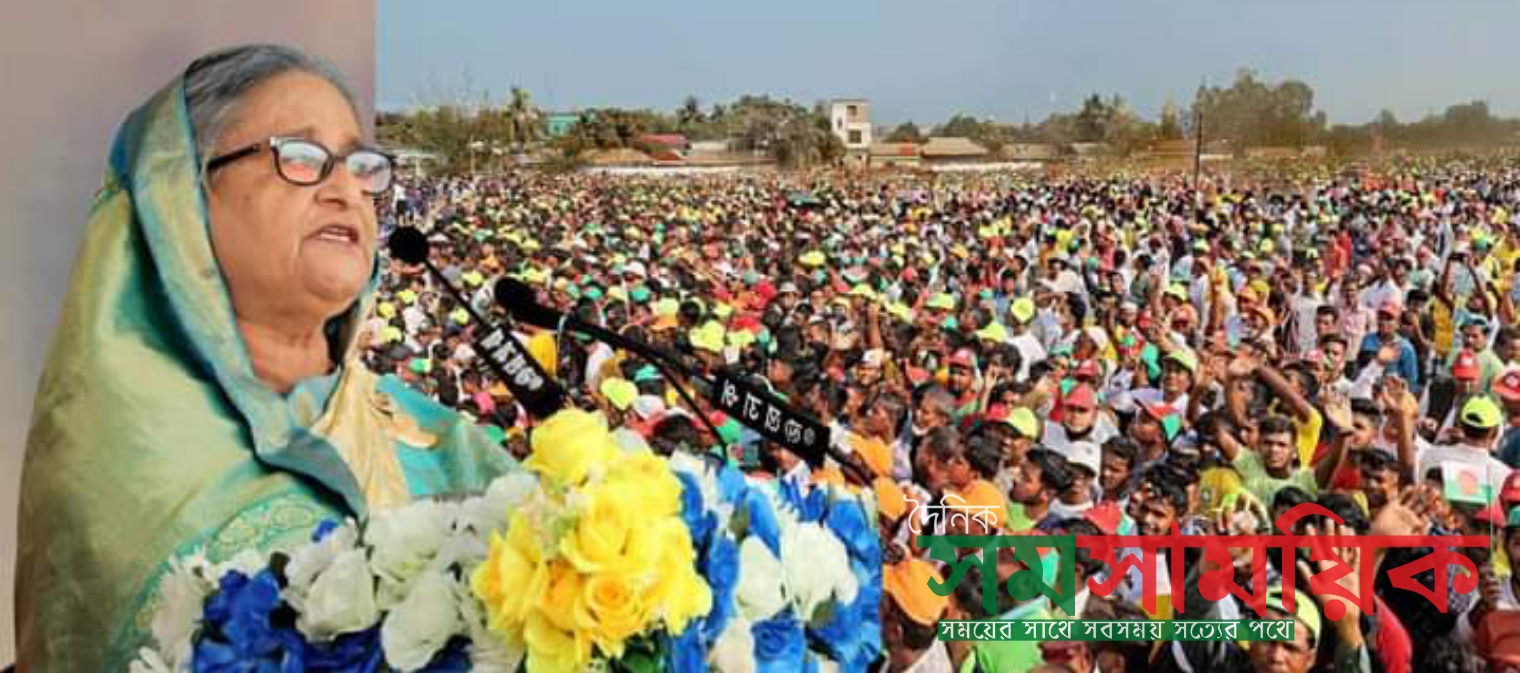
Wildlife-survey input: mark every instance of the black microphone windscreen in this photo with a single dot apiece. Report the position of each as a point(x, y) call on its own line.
point(522, 303)
point(409, 245)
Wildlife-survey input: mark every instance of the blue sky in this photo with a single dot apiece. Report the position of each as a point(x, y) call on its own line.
point(1008, 59)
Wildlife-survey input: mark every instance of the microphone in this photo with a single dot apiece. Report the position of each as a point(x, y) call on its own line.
point(529, 384)
point(753, 406)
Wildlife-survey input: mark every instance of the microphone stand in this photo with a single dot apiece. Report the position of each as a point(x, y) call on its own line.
point(537, 403)
point(665, 362)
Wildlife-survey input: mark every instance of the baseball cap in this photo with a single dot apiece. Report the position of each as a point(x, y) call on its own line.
point(1167, 415)
point(963, 358)
point(1184, 357)
point(1389, 308)
point(1083, 454)
point(1507, 385)
point(1481, 412)
point(1022, 309)
point(1466, 367)
point(1081, 396)
point(1304, 610)
point(907, 583)
point(1510, 494)
point(1024, 422)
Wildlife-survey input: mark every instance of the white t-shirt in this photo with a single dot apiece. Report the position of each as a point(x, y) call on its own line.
point(1429, 457)
point(1030, 352)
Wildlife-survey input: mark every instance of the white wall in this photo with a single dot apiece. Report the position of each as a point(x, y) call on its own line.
point(71, 70)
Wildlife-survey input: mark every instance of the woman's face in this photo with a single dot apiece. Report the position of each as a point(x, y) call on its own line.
point(290, 252)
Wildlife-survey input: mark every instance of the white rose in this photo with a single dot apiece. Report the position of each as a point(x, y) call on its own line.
point(735, 650)
point(493, 510)
point(184, 590)
point(308, 561)
point(759, 592)
point(819, 574)
point(490, 652)
point(341, 600)
point(419, 626)
point(404, 540)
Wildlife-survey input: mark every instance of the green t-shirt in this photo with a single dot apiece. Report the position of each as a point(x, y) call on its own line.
point(1264, 486)
point(1017, 522)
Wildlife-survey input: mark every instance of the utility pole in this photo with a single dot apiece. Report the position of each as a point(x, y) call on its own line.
point(1197, 144)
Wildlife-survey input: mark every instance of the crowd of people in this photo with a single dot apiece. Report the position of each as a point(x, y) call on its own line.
point(1087, 355)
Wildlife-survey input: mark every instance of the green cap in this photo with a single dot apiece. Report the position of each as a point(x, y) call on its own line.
point(1481, 412)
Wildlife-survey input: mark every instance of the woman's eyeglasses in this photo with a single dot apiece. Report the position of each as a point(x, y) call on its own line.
point(306, 162)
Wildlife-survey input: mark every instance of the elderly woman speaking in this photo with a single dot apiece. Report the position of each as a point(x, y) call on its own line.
point(204, 390)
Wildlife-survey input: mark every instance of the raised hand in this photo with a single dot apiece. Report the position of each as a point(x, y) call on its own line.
point(1335, 608)
point(1407, 515)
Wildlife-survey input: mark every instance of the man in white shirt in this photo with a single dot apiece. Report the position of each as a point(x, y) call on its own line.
point(1477, 429)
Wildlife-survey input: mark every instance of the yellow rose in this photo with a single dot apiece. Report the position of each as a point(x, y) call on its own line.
point(568, 445)
point(509, 583)
point(676, 591)
point(551, 650)
point(689, 597)
point(601, 533)
point(613, 601)
point(663, 543)
point(559, 601)
point(645, 484)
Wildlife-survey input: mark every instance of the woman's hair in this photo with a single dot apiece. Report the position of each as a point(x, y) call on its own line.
point(216, 83)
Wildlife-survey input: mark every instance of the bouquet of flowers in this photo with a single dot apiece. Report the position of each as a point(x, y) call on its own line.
point(599, 556)
point(795, 575)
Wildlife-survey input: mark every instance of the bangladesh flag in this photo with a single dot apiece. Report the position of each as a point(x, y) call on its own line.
point(1466, 482)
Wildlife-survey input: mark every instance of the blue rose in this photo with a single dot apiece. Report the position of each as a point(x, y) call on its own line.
point(731, 484)
point(779, 646)
point(238, 633)
point(762, 520)
point(852, 636)
point(699, 521)
point(351, 652)
point(687, 653)
point(847, 520)
point(809, 507)
point(720, 567)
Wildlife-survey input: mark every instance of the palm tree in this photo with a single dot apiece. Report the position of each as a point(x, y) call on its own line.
point(690, 113)
point(523, 116)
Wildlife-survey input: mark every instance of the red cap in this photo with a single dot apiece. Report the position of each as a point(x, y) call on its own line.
point(1080, 397)
point(1390, 308)
point(1088, 369)
point(1466, 367)
point(1507, 385)
point(765, 290)
point(1493, 513)
point(963, 358)
point(1511, 493)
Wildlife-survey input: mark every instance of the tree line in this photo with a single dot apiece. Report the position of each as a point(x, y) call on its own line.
point(1249, 112)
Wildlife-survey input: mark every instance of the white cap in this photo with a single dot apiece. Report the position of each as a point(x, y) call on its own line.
point(1082, 453)
point(636, 268)
point(648, 406)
